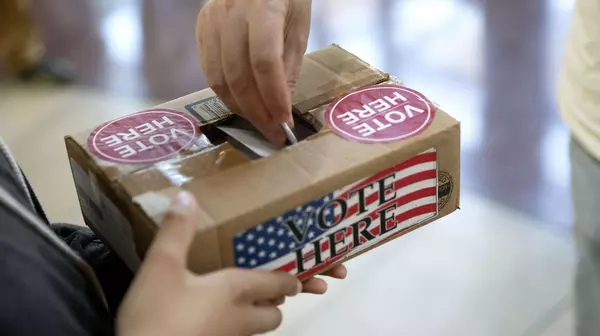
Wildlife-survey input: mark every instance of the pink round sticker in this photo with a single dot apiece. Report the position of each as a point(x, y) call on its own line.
point(144, 137)
point(384, 113)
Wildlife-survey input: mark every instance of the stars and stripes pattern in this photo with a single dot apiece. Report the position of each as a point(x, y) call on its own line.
point(273, 245)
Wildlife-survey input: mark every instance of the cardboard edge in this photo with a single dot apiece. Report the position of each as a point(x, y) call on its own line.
point(445, 212)
point(459, 175)
point(379, 76)
point(302, 196)
point(81, 157)
point(114, 192)
point(145, 228)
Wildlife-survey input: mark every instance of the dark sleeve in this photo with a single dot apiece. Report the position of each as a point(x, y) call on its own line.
point(42, 291)
point(37, 207)
point(42, 295)
point(112, 273)
point(114, 276)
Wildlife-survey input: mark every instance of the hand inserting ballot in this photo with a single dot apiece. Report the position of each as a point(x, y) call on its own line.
point(251, 53)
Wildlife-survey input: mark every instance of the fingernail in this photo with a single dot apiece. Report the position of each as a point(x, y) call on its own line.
point(290, 122)
point(288, 119)
point(183, 202)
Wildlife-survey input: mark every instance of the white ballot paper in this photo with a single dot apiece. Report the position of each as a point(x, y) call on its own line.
point(253, 144)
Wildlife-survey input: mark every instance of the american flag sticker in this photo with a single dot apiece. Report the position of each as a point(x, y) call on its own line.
point(312, 237)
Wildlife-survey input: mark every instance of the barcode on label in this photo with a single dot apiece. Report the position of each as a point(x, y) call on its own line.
point(209, 110)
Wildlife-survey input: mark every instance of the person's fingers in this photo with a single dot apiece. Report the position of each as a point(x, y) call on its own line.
point(272, 303)
point(266, 29)
point(258, 286)
point(273, 132)
point(262, 319)
point(296, 40)
point(338, 272)
point(174, 238)
point(240, 77)
point(201, 38)
point(209, 47)
point(319, 286)
point(278, 302)
point(315, 286)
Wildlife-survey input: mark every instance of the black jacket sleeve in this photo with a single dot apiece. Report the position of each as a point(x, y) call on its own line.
point(42, 291)
point(112, 273)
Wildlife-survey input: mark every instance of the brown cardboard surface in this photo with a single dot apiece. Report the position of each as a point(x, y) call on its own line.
point(330, 72)
point(237, 197)
point(166, 174)
point(306, 172)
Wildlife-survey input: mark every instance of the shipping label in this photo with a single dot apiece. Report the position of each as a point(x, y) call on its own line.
point(209, 110)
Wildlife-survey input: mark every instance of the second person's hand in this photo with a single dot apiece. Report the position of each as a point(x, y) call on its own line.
point(251, 52)
point(167, 299)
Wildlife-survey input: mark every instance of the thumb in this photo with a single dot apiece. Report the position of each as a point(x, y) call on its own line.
point(296, 39)
point(173, 240)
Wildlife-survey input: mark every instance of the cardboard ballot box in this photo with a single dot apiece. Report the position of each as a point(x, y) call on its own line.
point(376, 161)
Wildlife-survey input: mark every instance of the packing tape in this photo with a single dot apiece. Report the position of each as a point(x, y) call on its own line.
point(198, 165)
point(172, 172)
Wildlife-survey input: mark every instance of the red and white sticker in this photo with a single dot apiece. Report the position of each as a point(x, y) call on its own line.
point(384, 113)
point(144, 137)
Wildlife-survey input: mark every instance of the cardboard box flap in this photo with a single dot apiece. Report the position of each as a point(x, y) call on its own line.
point(329, 73)
point(325, 75)
point(126, 146)
point(316, 116)
point(265, 188)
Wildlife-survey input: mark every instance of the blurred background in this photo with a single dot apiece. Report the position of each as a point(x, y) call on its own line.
point(500, 266)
